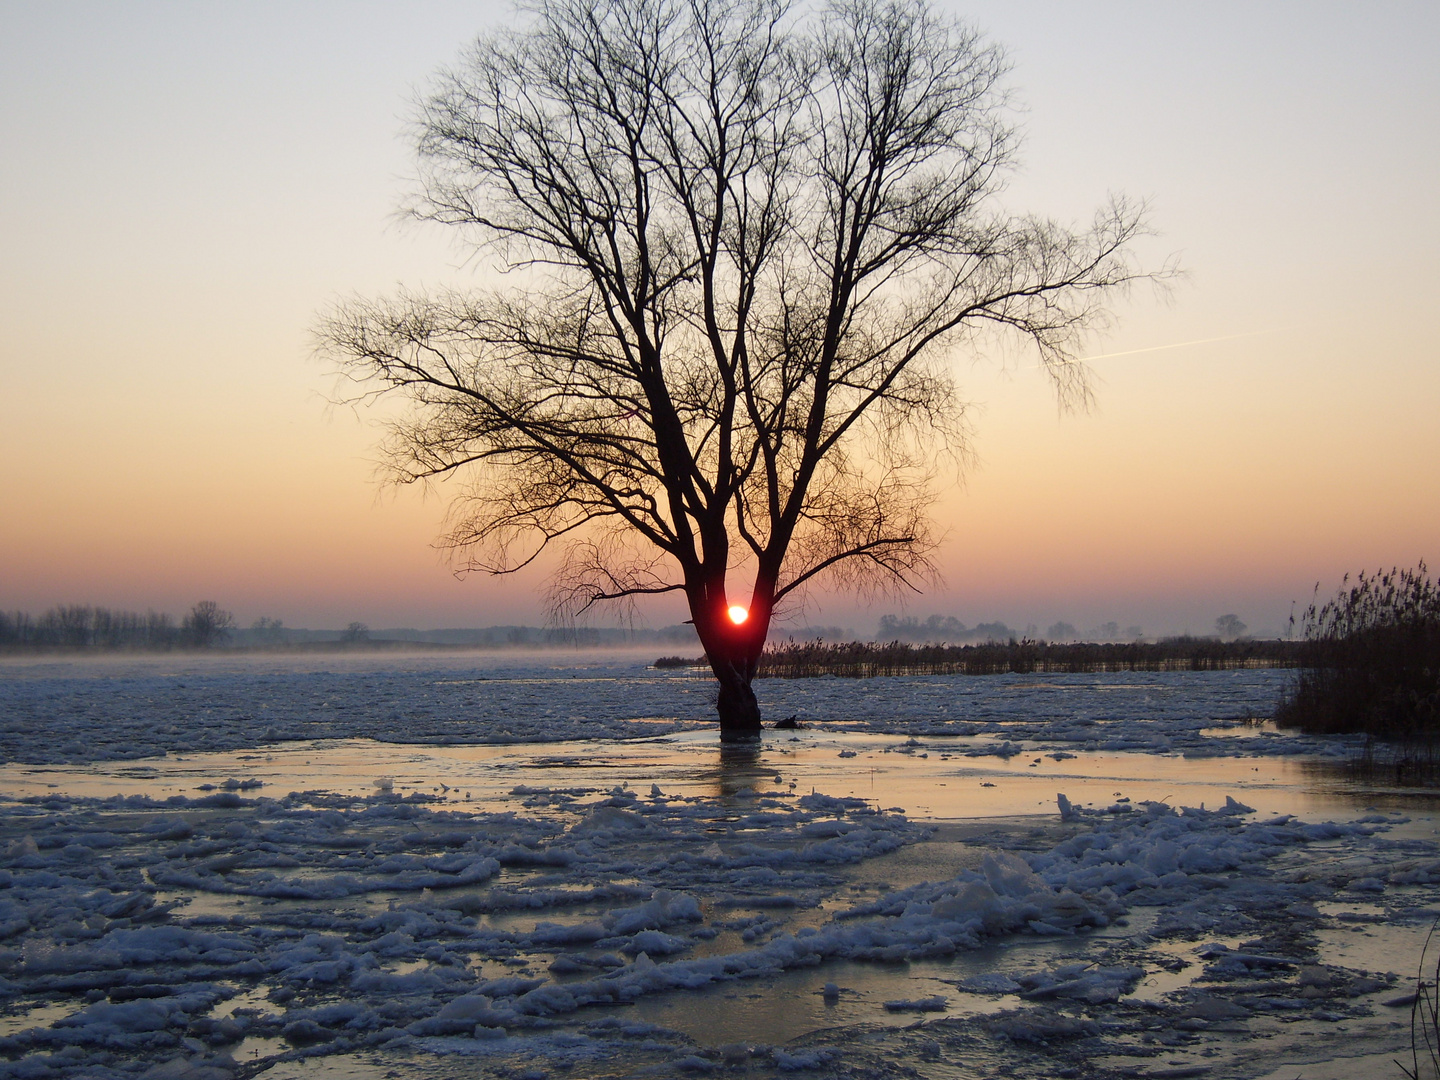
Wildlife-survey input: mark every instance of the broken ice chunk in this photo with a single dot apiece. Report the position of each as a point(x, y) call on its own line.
point(930, 1004)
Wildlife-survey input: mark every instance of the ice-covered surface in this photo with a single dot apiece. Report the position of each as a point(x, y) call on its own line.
point(126, 708)
point(220, 928)
point(720, 920)
point(933, 776)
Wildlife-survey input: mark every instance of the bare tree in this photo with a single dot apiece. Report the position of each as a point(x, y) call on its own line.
point(743, 243)
point(207, 624)
point(1230, 627)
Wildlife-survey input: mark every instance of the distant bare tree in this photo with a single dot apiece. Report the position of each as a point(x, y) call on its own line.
point(1230, 627)
point(743, 242)
point(207, 625)
point(356, 632)
point(268, 631)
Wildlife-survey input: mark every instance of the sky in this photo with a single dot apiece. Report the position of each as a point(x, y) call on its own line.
point(184, 187)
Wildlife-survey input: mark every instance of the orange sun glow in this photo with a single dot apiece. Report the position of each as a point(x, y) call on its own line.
point(738, 614)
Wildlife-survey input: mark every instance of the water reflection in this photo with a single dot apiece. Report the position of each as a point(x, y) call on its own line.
point(1397, 784)
point(739, 768)
point(937, 778)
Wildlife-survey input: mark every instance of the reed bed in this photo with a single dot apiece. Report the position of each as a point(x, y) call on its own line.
point(1425, 1014)
point(865, 659)
point(1370, 663)
point(1025, 657)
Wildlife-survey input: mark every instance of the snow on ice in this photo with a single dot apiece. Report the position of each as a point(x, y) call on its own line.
point(53, 712)
point(230, 934)
point(356, 924)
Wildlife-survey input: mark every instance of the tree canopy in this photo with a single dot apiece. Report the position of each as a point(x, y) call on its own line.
point(743, 242)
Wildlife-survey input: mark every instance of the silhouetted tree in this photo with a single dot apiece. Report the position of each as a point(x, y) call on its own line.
point(207, 625)
point(744, 241)
point(356, 631)
point(1229, 626)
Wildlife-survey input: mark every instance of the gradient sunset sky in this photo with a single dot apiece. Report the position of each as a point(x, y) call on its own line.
point(184, 186)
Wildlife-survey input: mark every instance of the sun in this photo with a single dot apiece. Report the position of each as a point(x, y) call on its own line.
point(738, 614)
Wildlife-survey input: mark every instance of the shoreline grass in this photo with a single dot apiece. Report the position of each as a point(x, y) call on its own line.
point(864, 659)
point(1370, 663)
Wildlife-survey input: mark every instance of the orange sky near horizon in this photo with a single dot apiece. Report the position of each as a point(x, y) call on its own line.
point(183, 190)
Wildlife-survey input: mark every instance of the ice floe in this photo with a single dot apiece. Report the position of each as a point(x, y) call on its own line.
point(203, 936)
point(387, 922)
point(56, 712)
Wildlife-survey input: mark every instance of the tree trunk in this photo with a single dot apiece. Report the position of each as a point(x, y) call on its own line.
point(733, 650)
point(736, 704)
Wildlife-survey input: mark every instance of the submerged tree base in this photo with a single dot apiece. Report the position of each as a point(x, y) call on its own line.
point(738, 708)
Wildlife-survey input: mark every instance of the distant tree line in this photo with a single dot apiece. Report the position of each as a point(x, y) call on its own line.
point(939, 628)
point(207, 625)
point(83, 626)
point(485, 637)
point(946, 629)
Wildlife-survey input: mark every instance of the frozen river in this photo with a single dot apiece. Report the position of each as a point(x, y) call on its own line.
point(488, 865)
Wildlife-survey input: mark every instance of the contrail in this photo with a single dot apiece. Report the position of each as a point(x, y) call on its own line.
point(1178, 345)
